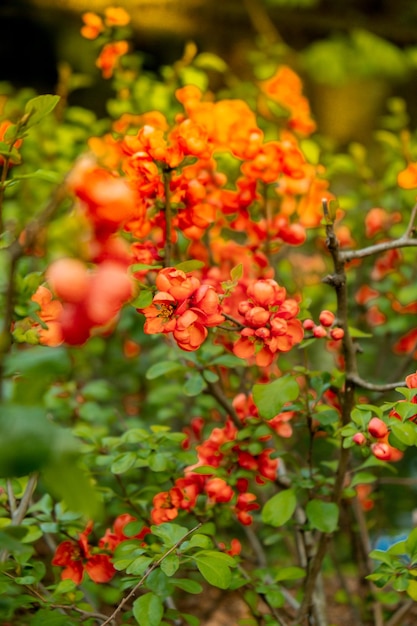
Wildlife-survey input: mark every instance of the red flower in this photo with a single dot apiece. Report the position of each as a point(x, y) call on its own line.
point(76, 558)
point(112, 538)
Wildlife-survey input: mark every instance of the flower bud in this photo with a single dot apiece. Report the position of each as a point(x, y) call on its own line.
point(381, 451)
point(337, 333)
point(326, 318)
point(377, 428)
point(359, 439)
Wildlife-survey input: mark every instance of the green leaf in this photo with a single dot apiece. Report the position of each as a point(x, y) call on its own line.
point(412, 589)
point(148, 610)
point(138, 566)
point(355, 333)
point(169, 533)
point(236, 272)
point(404, 432)
point(141, 267)
point(163, 368)
point(40, 174)
point(195, 384)
point(228, 360)
point(190, 266)
point(271, 397)
point(411, 544)
point(123, 463)
point(289, 573)
point(280, 508)
point(170, 564)
point(214, 568)
point(275, 597)
point(188, 585)
point(362, 478)
point(323, 515)
point(210, 61)
point(381, 555)
point(39, 107)
point(143, 300)
point(67, 481)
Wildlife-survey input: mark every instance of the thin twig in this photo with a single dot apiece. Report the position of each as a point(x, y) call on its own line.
point(405, 241)
point(140, 584)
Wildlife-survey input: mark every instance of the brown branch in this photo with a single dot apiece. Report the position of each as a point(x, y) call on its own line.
point(360, 382)
point(405, 241)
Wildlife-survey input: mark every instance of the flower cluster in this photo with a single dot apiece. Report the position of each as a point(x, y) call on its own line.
point(233, 462)
point(184, 307)
point(325, 326)
point(270, 324)
point(88, 299)
point(78, 556)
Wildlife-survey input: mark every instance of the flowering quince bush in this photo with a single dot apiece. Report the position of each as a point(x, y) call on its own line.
point(207, 352)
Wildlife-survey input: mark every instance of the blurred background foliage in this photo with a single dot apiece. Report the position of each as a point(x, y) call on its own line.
point(351, 54)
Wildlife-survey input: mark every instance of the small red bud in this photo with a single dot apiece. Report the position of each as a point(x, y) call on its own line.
point(359, 439)
point(326, 318)
point(319, 332)
point(381, 451)
point(337, 333)
point(377, 428)
point(308, 324)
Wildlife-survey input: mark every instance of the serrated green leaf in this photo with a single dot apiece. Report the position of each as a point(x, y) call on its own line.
point(270, 398)
point(323, 515)
point(280, 508)
point(148, 610)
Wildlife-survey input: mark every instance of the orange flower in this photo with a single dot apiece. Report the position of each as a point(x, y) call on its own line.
point(93, 25)
point(109, 56)
point(407, 179)
point(116, 16)
point(166, 505)
point(270, 324)
point(107, 197)
point(76, 558)
point(112, 537)
point(365, 293)
point(50, 313)
point(379, 220)
point(285, 87)
point(218, 490)
point(245, 502)
point(4, 125)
